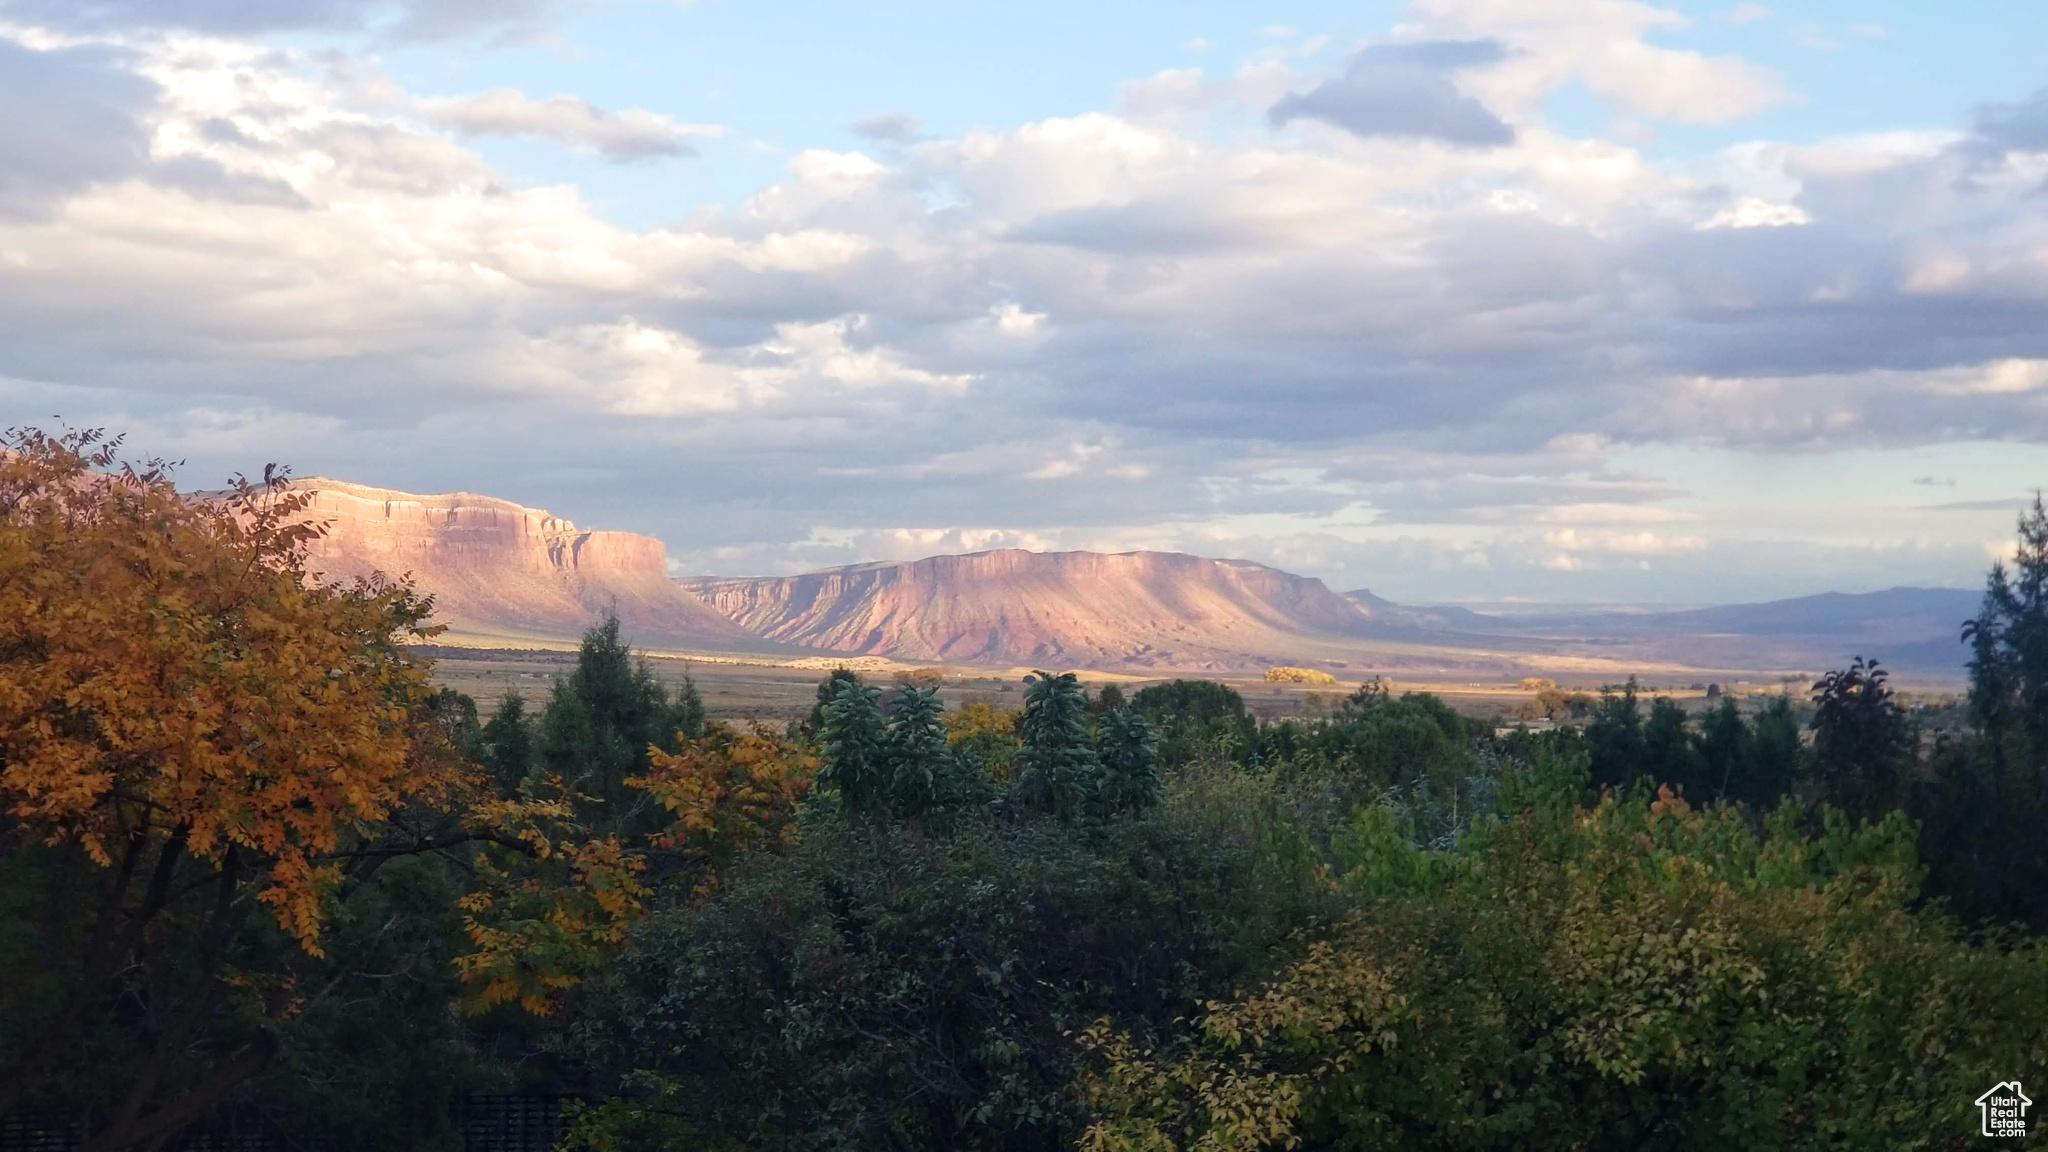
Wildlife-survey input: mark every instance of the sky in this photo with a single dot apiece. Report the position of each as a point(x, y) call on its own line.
point(1486, 301)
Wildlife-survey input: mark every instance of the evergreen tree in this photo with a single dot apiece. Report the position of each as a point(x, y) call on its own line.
point(1058, 771)
point(1862, 743)
point(1669, 755)
point(814, 724)
point(1985, 806)
point(857, 761)
point(600, 722)
point(1776, 755)
point(1128, 749)
point(686, 715)
point(1614, 738)
point(508, 745)
point(918, 755)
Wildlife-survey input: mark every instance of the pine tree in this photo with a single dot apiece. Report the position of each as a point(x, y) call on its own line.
point(600, 722)
point(918, 754)
point(814, 724)
point(2009, 649)
point(1058, 771)
point(857, 760)
point(1669, 756)
point(1129, 751)
point(508, 745)
point(1615, 737)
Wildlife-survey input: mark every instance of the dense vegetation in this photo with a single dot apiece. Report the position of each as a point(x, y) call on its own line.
point(254, 866)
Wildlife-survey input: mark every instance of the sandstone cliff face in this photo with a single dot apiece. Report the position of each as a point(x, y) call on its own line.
point(1142, 609)
point(499, 569)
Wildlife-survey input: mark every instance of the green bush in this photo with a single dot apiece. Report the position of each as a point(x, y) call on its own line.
point(1635, 975)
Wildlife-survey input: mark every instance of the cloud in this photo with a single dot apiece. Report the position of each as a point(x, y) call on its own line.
point(405, 20)
point(76, 118)
point(1603, 46)
point(1574, 540)
point(890, 127)
point(1383, 361)
point(1755, 212)
point(1404, 90)
point(2022, 126)
point(624, 136)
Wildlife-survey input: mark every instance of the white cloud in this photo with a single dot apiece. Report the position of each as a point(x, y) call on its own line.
point(1305, 345)
point(626, 135)
point(1751, 212)
point(1644, 543)
point(1010, 317)
point(1600, 43)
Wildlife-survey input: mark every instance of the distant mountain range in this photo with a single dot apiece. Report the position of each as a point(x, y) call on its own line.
point(505, 574)
point(1916, 629)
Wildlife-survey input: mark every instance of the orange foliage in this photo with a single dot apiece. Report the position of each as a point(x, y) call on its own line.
point(730, 792)
point(167, 669)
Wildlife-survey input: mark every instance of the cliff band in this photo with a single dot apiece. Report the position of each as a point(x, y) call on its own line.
point(507, 572)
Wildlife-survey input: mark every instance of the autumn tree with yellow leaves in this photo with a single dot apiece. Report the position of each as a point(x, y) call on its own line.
point(205, 752)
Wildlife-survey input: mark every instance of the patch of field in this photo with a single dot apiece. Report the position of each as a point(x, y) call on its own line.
point(779, 691)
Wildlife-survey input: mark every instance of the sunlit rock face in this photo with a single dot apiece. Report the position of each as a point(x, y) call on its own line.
point(1143, 609)
point(502, 570)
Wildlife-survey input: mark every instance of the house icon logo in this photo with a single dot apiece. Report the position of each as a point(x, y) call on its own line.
point(2004, 1110)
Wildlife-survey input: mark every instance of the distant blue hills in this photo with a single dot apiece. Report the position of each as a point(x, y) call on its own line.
point(1911, 629)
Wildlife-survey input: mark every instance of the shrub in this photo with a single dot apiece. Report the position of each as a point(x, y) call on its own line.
point(1287, 675)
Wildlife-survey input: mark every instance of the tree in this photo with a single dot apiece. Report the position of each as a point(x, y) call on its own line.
point(207, 760)
point(857, 763)
point(1637, 975)
point(1862, 742)
point(1985, 800)
point(2009, 648)
point(1195, 701)
point(919, 760)
point(827, 689)
point(1057, 769)
point(886, 987)
point(729, 792)
point(1109, 699)
point(600, 723)
point(1777, 754)
point(1614, 737)
point(507, 744)
point(1197, 718)
point(1727, 751)
point(985, 735)
point(1669, 754)
point(1128, 750)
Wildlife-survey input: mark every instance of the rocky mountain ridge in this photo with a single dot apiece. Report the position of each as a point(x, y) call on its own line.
point(498, 569)
point(1009, 606)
